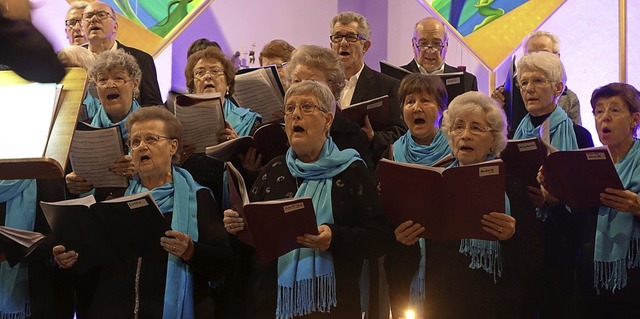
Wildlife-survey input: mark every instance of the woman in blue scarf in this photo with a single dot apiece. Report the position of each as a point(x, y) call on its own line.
point(541, 77)
point(350, 222)
point(423, 99)
point(608, 271)
point(117, 77)
point(171, 280)
point(26, 289)
point(471, 278)
point(210, 71)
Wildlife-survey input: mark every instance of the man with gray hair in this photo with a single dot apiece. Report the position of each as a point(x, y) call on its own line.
point(73, 23)
point(100, 27)
point(350, 40)
point(536, 42)
point(430, 42)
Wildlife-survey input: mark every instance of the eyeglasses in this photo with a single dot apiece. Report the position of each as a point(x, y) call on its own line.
point(281, 65)
point(102, 15)
point(148, 138)
point(474, 128)
point(105, 83)
point(72, 22)
point(350, 37)
point(305, 107)
point(537, 83)
point(435, 47)
point(201, 73)
point(613, 111)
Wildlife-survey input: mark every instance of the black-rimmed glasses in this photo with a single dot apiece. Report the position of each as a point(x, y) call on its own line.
point(102, 15)
point(350, 37)
point(72, 22)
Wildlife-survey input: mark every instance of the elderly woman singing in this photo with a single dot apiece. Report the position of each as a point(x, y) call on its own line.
point(350, 222)
point(171, 280)
point(472, 278)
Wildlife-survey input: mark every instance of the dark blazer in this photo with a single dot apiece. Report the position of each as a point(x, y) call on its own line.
point(470, 81)
point(149, 88)
point(372, 84)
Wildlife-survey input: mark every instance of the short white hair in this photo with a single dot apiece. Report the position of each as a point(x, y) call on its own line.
point(471, 102)
point(545, 62)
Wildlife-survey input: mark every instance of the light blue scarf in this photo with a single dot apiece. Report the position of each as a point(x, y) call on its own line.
point(406, 150)
point(20, 198)
point(92, 105)
point(178, 197)
point(561, 132)
point(101, 119)
point(241, 119)
point(306, 280)
point(617, 243)
point(484, 254)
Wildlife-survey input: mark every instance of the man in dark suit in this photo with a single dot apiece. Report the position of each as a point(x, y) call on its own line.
point(350, 33)
point(100, 26)
point(430, 42)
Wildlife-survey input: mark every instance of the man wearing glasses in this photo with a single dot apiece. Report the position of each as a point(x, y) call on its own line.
point(430, 42)
point(100, 27)
point(73, 23)
point(350, 40)
point(515, 110)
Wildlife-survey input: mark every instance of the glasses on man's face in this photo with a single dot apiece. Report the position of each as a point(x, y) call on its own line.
point(72, 22)
point(428, 47)
point(305, 107)
point(106, 83)
point(537, 83)
point(202, 72)
point(102, 15)
point(474, 128)
point(148, 138)
point(350, 37)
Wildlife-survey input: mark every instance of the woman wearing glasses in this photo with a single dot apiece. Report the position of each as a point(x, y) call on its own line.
point(210, 71)
point(350, 221)
point(172, 279)
point(117, 77)
point(541, 77)
point(277, 52)
point(470, 278)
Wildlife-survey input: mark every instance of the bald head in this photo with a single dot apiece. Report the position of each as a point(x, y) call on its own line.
point(430, 41)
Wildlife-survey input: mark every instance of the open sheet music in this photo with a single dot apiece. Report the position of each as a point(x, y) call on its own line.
point(261, 91)
point(93, 150)
point(201, 116)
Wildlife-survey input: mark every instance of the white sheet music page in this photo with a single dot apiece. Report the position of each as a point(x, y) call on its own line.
point(26, 115)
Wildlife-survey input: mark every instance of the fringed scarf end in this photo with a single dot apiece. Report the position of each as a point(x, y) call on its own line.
point(316, 294)
point(612, 275)
point(18, 315)
point(484, 254)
